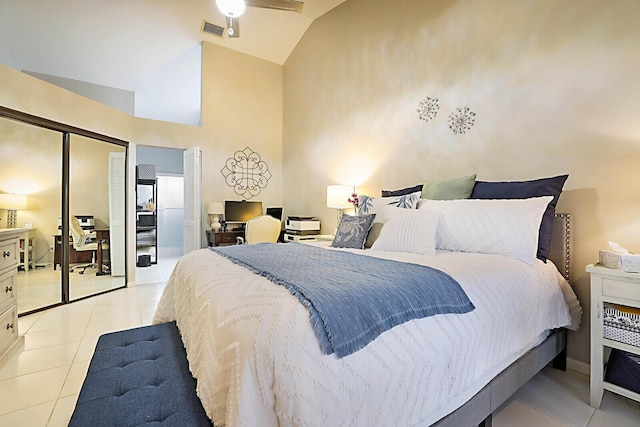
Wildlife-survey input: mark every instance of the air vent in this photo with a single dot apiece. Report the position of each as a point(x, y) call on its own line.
point(209, 28)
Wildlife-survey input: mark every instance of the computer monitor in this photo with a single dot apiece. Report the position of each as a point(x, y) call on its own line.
point(241, 211)
point(275, 212)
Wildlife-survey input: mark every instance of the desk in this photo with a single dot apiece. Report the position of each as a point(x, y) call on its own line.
point(223, 237)
point(76, 257)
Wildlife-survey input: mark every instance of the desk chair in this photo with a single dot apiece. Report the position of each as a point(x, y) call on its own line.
point(261, 229)
point(83, 241)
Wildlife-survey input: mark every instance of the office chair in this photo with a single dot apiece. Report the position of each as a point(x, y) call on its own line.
point(260, 229)
point(83, 241)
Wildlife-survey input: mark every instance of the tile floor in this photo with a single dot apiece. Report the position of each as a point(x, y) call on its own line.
point(41, 287)
point(40, 384)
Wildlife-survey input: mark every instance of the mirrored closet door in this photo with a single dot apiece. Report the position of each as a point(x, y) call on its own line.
point(96, 216)
point(31, 175)
point(65, 189)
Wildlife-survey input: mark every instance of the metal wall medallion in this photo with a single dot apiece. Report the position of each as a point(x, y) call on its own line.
point(246, 173)
point(428, 109)
point(461, 120)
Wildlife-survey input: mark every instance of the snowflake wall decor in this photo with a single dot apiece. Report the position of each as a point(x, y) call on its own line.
point(428, 109)
point(461, 120)
point(246, 173)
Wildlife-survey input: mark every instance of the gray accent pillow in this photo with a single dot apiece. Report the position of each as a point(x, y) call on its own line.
point(373, 234)
point(352, 231)
point(449, 189)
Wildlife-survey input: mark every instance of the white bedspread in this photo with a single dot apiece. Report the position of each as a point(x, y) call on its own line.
point(258, 363)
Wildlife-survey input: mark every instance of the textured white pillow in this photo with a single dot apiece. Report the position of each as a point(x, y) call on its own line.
point(505, 227)
point(408, 230)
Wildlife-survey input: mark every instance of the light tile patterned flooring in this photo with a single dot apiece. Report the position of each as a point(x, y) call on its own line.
point(39, 386)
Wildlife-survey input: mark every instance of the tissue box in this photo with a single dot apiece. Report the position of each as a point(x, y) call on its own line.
point(628, 263)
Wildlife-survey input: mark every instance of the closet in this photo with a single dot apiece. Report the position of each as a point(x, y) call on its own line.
point(64, 171)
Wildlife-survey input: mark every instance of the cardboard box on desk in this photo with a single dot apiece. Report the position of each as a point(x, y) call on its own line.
point(629, 262)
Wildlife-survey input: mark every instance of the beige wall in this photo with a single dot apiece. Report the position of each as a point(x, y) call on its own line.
point(242, 106)
point(553, 84)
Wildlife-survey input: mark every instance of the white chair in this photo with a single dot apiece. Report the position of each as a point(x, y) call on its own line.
point(83, 241)
point(261, 229)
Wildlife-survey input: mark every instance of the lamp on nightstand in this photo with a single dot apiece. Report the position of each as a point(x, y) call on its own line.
point(12, 203)
point(338, 198)
point(215, 209)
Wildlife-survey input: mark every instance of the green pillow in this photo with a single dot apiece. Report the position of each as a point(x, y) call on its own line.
point(449, 189)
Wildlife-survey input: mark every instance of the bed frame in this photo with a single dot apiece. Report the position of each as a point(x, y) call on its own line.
point(479, 409)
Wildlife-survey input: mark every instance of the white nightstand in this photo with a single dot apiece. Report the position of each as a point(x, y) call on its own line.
point(617, 287)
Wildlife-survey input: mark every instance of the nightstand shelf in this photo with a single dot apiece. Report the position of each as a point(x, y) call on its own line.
point(613, 287)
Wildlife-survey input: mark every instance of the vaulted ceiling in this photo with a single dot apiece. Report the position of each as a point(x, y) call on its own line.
point(117, 43)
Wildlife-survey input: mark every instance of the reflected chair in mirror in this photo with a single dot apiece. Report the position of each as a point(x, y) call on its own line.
point(261, 229)
point(83, 241)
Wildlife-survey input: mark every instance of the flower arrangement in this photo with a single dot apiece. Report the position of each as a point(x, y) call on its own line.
point(355, 201)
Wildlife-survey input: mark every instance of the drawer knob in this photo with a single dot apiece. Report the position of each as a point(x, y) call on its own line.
point(9, 326)
point(6, 254)
point(8, 289)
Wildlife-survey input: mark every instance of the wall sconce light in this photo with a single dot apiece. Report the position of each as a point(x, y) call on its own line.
point(338, 198)
point(215, 209)
point(12, 203)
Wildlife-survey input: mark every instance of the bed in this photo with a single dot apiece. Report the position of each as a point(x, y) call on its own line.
point(257, 359)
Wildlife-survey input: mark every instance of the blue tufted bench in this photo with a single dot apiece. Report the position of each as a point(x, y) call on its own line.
point(139, 377)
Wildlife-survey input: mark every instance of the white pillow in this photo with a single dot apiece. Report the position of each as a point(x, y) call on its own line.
point(408, 230)
point(505, 227)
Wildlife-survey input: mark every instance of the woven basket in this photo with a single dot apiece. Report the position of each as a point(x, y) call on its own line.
point(622, 327)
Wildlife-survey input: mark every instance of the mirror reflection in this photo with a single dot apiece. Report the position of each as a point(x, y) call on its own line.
point(31, 196)
point(30, 200)
point(96, 220)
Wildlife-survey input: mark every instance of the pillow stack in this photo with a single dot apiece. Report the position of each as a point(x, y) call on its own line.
point(513, 218)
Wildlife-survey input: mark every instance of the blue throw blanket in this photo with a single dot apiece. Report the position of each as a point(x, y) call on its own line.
point(352, 298)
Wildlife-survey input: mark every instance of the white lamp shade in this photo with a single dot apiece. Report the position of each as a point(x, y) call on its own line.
point(338, 196)
point(215, 208)
point(13, 201)
point(231, 8)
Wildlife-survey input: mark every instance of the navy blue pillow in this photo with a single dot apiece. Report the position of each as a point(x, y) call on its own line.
point(524, 190)
point(401, 192)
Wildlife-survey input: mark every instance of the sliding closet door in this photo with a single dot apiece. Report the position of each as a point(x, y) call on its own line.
point(97, 201)
point(31, 169)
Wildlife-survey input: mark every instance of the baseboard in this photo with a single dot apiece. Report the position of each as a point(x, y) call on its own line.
point(578, 366)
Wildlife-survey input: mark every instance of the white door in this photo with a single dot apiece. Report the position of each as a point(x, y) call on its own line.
point(117, 167)
point(192, 199)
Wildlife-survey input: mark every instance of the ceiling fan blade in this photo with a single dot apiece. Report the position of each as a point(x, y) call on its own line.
point(289, 5)
point(233, 27)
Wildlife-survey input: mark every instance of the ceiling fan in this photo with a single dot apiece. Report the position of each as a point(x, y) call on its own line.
point(232, 9)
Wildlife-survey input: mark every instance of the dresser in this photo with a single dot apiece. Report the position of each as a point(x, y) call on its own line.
point(9, 260)
point(609, 286)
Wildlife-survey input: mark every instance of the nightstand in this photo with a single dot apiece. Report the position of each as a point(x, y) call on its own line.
point(616, 287)
point(223, 238)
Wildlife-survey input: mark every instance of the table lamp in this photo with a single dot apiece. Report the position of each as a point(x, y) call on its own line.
point(215, 209)
point(338, 198)
point(12, 203)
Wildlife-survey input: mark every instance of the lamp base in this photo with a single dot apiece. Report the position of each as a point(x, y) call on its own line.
point(215, 225)
point(339, 216)
point(12, 218)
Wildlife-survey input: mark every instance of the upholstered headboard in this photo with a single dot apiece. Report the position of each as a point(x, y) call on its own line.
point(561, 244)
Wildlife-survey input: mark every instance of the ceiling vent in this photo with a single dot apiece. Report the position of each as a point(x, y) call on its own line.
point(209, 28)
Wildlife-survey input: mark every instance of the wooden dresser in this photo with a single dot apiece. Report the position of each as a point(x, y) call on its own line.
point(9, 260)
